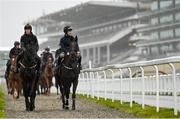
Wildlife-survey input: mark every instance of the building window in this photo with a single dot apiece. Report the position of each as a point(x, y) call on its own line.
point(165, 3)
point(155, 35)
point(177, 1)
point(114, 27)
point(110, 28)
point(177, 32)
point(119, 25)
point(178, 46)
point(167, 18)
point(154, 5)
point(154, 50)
point(177, 16)
point(154, 21)
point(166, 34)
point(166, 48)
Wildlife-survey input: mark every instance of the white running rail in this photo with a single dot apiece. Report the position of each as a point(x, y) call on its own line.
point(155, 89)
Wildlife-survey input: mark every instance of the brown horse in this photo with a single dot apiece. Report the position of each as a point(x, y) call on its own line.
point(48, 74)
point(14, 83)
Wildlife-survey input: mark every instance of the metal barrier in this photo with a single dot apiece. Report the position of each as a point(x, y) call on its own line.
point(155, 90)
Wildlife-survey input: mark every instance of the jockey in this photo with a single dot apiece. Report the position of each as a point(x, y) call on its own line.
point(29, 39)
point(45, 56)
point(15, 51)
point(65, 44)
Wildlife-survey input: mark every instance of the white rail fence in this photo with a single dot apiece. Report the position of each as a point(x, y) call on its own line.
point(155, 90)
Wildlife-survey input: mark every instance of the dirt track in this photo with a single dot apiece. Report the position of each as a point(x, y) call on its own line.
point(50, 107)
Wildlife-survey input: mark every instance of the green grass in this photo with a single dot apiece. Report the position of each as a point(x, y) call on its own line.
point(2, 103)
point(147, 112)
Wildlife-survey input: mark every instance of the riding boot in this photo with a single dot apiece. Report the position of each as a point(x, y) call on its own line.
point(38, 67)
point(79, 61)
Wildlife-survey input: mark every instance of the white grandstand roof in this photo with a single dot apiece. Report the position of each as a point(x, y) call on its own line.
point(116, 4)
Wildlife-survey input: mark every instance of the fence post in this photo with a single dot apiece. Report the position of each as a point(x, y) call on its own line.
point(174, 87)
point(121, 77)
point(92, 86)
point(87, 90)
point(130, 76)
point(105, 85)
point(113, 95)
point(83, 83)
point(157, 88)
point(143, 90)
point(97, 74)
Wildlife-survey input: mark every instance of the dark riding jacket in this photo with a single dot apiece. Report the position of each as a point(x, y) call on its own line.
point(14, 51)
point(65, 42)
point(29, 40)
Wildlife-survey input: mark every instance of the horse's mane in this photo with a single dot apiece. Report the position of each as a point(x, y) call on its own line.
point(29, 55)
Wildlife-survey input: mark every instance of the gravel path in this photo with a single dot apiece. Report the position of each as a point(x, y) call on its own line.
point(50, 107)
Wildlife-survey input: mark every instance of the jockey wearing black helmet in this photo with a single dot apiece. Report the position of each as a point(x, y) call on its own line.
point(29, 39)
point(65, 43)
point(15, 51)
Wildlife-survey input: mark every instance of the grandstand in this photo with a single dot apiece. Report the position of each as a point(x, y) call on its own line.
point(161, 38)
point(103, 28)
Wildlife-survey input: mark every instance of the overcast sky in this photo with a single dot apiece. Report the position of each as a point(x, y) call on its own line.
point(13, 13)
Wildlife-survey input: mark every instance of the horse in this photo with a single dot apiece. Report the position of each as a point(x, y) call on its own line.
point(29, 76)
point(14, 83)
point(68, 74)
point(48, 74)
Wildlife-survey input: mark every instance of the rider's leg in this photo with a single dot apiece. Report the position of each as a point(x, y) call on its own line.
point(79, 61)
point(7, 69)
point(38, 59)
point(19, 57)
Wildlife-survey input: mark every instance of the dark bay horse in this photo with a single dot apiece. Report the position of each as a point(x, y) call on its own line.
point(67, 74)
point(14, 83)
point(28, 73)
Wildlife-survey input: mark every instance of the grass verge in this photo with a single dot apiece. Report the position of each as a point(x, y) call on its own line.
point(2, 103)
point(147, 112)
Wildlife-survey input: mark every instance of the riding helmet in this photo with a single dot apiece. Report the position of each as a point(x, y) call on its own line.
point(27, 26)
point(67, 28)
point(16, 43)
point(47, 49)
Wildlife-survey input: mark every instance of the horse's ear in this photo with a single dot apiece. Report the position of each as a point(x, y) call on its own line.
point(76, 39)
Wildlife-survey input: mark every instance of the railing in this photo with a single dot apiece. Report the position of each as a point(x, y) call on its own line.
point(117, 82)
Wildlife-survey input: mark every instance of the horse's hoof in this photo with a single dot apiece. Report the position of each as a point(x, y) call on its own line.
point(66, 107)
point(73, 108)
point(32, 108)
point(63, 106)
point(27, 109)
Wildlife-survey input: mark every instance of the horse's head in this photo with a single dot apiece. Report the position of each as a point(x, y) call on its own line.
point(49, 62)
point(13, 62)
point(30, 55)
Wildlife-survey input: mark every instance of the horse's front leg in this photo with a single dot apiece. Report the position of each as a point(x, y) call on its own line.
point(62, 97)
point(75, 83)
point(47, 85)
point(26, 99)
